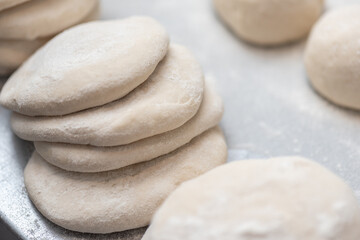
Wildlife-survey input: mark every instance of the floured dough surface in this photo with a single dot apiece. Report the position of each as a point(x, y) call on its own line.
point(10, 3)
point(269, 22)
point(42, 18)
point(121, 199)
point(86, 158)
point(71, 73)
point(276, 199)
point(169, 98)
point(14, 52)
point(332, 56)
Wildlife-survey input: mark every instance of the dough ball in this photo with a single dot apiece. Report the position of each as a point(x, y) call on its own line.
point(170, 97)
point(112, 58)
point(269, 22)
point(42, 18)
point(10, 3)
point(122, 199)
point(332, 56)
point(281, 198)
point(87, 158)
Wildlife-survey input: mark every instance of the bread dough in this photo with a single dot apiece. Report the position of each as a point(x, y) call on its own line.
point(269, 22)
point(14, 52)
point(112, 58)
point(42, 18)
point(86, 158)
point(169, 98)
point(93, 15)
point(121, 199)
point(332, 56)
point(10, 3)
point(282, 198)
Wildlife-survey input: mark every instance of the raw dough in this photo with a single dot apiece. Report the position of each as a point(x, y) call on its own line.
point(86, 158)
point(14, 52)
point(121, 199)
point(270, 22)
point(42, 18)
point(112, 58)
point(169, 98)
point(10, 3)
point(281, 198)
point(332, 56)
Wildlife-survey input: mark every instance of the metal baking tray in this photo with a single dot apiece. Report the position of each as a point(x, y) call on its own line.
point(270, 109)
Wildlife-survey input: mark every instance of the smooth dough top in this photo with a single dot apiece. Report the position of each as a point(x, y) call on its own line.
point(121, 199)
point(170, 97)
point(72, 73)
point(287, 198)
point(10, 3)
point(270, 22)
point(42, 18)
point(87, 158)
point(332, 56)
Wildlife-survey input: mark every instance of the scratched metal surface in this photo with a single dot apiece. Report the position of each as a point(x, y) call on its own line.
point(270, 109)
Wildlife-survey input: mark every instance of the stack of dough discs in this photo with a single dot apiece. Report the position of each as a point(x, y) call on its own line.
point(120, 199)
point(26, 25)
point(269, 22)
point(87, 158)
point(332, 56)
point(283, 198)
point(165, 101)
point(119, 118)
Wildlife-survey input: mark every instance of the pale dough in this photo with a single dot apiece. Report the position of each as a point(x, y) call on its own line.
point(121, 199)
point(14, 52)
point(42, 18)
point(277, 199)
point(86, 158)
point(72, 73)
point(332, 56)
point(169, 98)
point(269, 22)
point(10, 3)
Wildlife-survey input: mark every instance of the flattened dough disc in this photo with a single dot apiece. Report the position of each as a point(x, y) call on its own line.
point(70, 73)
point(42, 18)
point(86, 158)
point(121, 199)
point(169, 98)
point(10, 3)
point(14, 52)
